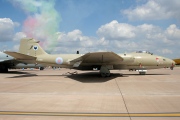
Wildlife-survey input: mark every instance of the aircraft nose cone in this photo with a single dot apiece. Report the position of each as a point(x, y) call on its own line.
point(169, 63)
point(173, 62)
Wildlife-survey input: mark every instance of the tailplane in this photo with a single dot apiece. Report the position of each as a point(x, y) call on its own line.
point(30, 46)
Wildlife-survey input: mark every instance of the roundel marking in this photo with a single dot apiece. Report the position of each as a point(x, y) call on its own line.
point(59, 60)
point(35, 47)
point(157, 59)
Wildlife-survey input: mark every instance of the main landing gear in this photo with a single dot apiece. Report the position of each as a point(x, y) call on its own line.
point(104, 71)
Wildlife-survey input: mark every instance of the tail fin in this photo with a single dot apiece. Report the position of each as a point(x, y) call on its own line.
point(30, 46)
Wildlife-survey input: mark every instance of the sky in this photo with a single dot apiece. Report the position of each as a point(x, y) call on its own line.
point(65, 26)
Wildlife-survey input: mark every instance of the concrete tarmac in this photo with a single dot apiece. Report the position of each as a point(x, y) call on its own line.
point(85, 95)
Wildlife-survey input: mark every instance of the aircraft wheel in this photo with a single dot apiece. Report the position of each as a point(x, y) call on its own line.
point(104, 71)
point(108, 74)
point(103, 74)
point(171, 67)
point(142, 73)
point(41, 68)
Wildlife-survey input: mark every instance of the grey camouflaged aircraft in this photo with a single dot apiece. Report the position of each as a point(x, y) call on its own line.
point(30, 50)
point(8, 62)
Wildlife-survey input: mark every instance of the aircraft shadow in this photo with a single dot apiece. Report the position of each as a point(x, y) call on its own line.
point(88, 77)
point(20, 74)
point(16, 72)
point(143, 75)
point(25, 75)
point(93, 77)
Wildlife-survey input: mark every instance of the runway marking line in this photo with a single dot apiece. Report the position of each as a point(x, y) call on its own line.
point(91, 114)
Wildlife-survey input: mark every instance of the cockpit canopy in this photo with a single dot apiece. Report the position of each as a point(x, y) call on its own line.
point(147, 52)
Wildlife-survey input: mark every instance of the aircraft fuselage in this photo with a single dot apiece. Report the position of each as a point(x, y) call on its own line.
point(130, 61)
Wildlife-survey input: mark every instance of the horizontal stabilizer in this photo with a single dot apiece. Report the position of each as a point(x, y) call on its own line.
point(20, 56)
point(99, 57)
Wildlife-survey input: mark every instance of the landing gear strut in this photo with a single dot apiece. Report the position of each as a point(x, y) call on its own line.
point(104, 71)
point(172, 66)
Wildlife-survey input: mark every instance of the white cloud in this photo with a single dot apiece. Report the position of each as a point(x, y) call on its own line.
point(165, 51)
point(16, 47)
point(103, 41)
point(6, 21)
point(18, 36)
point(141, 37)
point(116, 31)
point(6, 29)
point(113, 36)
point(173, 32)
point(125, 45)
point(154, 10)
point(148, 28)
point(75, 40)
point(145, 37)
point(75, 35)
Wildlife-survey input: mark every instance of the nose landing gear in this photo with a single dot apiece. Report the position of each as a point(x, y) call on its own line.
point(172, 66)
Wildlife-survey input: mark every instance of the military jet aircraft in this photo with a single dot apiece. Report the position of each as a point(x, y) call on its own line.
point(103, 61)
point(7, 61)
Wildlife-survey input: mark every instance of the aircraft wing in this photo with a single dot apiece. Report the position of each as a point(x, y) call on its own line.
point(20, 56)
point(98, 58)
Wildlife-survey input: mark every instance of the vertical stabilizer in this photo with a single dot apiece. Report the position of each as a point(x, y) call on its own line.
point(30, 46)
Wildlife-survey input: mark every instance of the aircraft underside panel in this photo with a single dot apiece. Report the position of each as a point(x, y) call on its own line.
point(3, 68)
point(116, 67)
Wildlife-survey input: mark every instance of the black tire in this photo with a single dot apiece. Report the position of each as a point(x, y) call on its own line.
point(41, 68)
